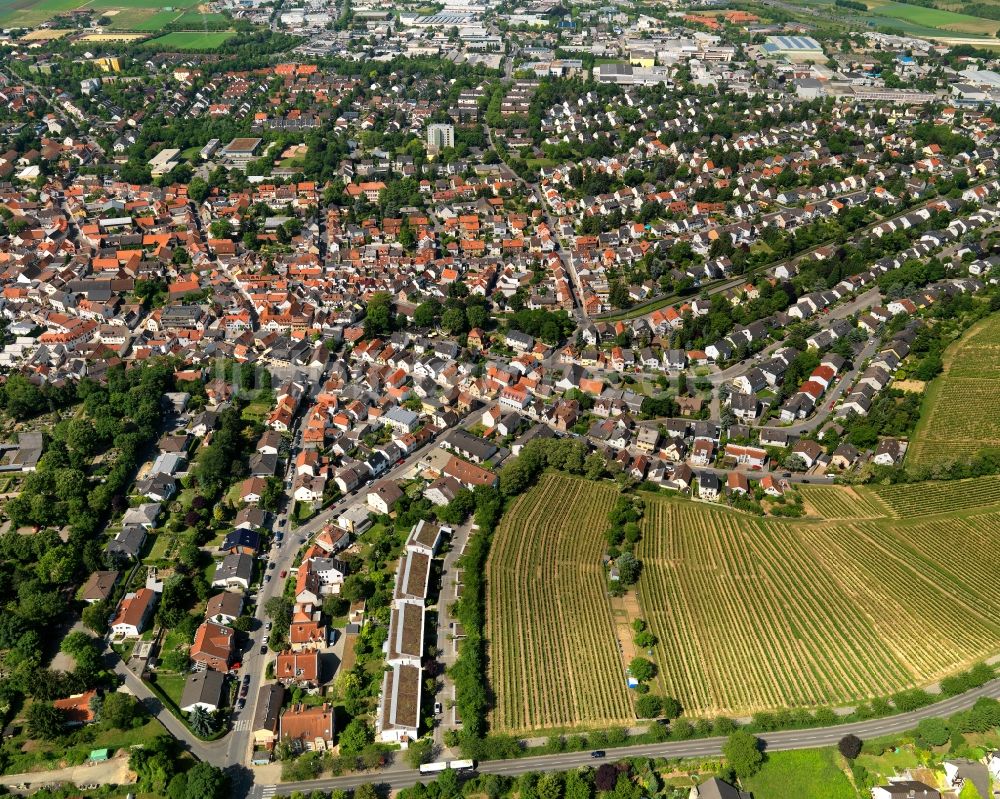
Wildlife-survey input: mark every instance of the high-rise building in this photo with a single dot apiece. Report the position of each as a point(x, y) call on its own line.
point(439, 137)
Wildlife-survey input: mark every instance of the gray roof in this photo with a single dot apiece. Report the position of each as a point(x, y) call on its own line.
point(717, 789)
point(203, 686)
point(268, 712)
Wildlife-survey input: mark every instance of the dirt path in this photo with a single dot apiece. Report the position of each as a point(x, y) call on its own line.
point(111, 772)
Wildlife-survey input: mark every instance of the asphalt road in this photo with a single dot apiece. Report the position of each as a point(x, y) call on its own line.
point(399, 776)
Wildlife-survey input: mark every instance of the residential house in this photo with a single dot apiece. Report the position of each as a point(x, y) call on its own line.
point(214, 646)
point(203, 689)
point(133, 613)
point(889, 452)
point(383, 496)
point(77, 709)
point(905, 789)
point(298, 668)
point(267, 716)
point(234, 572)
point(225, 607)
point(99, 586)
point(307, 728)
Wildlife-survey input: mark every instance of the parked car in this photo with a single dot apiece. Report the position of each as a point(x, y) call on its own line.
point(267, 578)
point(437, 708)
point(284, 573)
point(266, 639)
point(270, 565)
point(263, 650)
point(266, 627)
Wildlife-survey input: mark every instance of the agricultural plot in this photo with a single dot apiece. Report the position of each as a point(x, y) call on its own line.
point(190, 40)
point(968, 383)
point(748, 619)
point(934, 18)
point(895, 588)
point(913, 500)
point(809, 614)
point(553, 658)
point(842, 502)
point(123, 14)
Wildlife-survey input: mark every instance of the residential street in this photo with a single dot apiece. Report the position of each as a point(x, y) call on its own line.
point(399, 776)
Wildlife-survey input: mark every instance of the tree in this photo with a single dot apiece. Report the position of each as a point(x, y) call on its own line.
point(850, 746)
point(743, 752)
point(420, 752)
point(198, 189)
point(933, 732)
point(201, 722)
point(648, 706)
point(95, 616)
point(355, 737)
point(206, 782)
point(672, 708)
point(119, 710)
point(453, 321)
point(426, 313)
point(366, 791)
point(643, 670)
point(578, 786)
point(45, 721)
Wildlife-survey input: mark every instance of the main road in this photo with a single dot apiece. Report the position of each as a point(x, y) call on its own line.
point(397, 777)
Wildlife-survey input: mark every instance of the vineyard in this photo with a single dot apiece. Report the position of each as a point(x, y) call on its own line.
point(842, 502)
point(553, 658)
point(893, 587)
point(971, 370)
point(807, 614)
point(911, 500)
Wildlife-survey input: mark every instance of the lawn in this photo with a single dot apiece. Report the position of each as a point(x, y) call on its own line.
point(172, 685)
point(190, 40)
point(807, 772)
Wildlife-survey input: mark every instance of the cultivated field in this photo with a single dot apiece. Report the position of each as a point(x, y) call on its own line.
point(842, 502)
point(912, 500)
point(553, 658)
point(961, 407)
point(895, 588)
point(934, 18)
point(135, 15)
point(190, 40)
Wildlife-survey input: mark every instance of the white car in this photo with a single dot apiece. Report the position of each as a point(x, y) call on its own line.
point(266, 639)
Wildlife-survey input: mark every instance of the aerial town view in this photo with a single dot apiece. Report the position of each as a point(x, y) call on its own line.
point(500, 399)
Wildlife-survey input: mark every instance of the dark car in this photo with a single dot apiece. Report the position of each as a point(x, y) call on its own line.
point(246, 679)
point(270, 565)
point(263, 650)
point(597, 753)
point(240, 705)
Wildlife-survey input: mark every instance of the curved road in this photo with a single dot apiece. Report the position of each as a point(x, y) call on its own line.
point(788, 739)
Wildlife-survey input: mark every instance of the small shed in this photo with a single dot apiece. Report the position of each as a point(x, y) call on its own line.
point(99, 755)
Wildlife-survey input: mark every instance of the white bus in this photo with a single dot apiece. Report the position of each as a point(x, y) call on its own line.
point(462, 765)
point(433, 768)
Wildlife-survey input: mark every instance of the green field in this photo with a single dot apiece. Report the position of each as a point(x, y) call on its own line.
point(890, 592)
point(190, 40)
point(807, 772)
point(909, 19)
point(124, 14)
point(934, 18)
point(961, 406)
